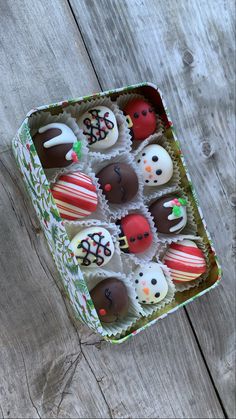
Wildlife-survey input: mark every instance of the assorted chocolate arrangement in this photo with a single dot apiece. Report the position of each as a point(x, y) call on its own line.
point(127, 209)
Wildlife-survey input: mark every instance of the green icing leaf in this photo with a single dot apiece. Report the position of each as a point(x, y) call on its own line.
point(182, 201)
point(176, 211)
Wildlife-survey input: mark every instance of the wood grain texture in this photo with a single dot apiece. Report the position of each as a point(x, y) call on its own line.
point(52, 367)
point(188, 49)
point(42, 58)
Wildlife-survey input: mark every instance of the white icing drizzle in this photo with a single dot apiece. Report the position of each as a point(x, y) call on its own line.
point(65, 137)
point(171, 217)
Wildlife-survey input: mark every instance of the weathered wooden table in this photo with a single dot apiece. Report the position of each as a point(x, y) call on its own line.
point(183, 366)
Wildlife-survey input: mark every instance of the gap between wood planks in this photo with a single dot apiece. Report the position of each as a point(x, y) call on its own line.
point(185, 309)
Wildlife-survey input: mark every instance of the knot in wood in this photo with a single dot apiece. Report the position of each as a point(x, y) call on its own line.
point(232, 199)
point(188, 57)
point(206, 149)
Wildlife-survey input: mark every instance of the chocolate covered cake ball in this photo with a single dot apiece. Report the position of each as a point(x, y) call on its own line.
point(155, 165)
point(136, 235)
point(93, 247)
point(75, 195)
point(110, 299)
point(141, 118)
point(150, 283)
point(99, 126)
point(119, 182)
point(54, 145)
point(185, 261)
point(169, 214)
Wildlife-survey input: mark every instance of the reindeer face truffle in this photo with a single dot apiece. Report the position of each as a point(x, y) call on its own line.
point(119, 182)
point(110, 299)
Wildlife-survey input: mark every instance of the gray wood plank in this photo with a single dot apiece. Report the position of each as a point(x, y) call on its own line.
point(46, 371)
point(51, 367)
point(42, 60)
point(188, 49)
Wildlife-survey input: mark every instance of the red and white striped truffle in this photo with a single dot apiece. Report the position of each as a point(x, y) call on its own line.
point(185, 261)
point(75, 195)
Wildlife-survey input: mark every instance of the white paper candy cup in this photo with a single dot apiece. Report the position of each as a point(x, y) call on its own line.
point(189, 231)
point(149, 309)
point(40, 119)
point(124, 140)
point(115, 210)
point(196, 282)
point(120, 327)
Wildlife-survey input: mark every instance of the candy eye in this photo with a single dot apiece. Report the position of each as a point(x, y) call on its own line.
point(157, 295)
point(140, 236)
point(144, 154)
point(146, 234)
point(153, 281)
point(132, 239)
point(144, 112)
point(154, 158)
point(159, 172)
point(138, 161)
point(146, 181)
point(136, 115)
point(102, 312)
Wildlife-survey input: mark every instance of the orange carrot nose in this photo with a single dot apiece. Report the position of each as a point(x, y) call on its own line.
point(148, 168)
point(146, 290)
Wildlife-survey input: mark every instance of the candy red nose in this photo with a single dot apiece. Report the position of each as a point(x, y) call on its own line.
point(102, 312)
point(107, 187)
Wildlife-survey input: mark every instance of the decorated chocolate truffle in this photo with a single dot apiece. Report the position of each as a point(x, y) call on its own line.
point(75, 195)
point(155, 165)
point(185, 261)
point(54, 145)
point(136, 235)
point(93, 247)
point(150, 283)
point(169, 214)
point(110, 299)
point(141, 118)
point(119, 182)
point(100, 127)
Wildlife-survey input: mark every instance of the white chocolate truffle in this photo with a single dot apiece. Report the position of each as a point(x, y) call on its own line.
point(93, 247)
point(155, 165)
point(99, 127)
point(150, 283)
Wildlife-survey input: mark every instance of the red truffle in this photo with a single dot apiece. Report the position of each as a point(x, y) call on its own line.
point(136, 235)
point(142, 119)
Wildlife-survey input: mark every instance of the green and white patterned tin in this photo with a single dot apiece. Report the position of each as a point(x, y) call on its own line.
point(72, 280)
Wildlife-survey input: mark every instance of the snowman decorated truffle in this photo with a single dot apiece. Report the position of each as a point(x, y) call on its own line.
point(100, 128)
point(155, 165)
point(150, 283)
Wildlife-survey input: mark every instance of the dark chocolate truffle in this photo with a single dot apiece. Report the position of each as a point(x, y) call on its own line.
point(169, 214)
point(110, 299)
point(54, 145)
point(119, 182)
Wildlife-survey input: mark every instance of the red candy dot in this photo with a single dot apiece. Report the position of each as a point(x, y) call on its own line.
point(102, 312)
point(107, 187)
